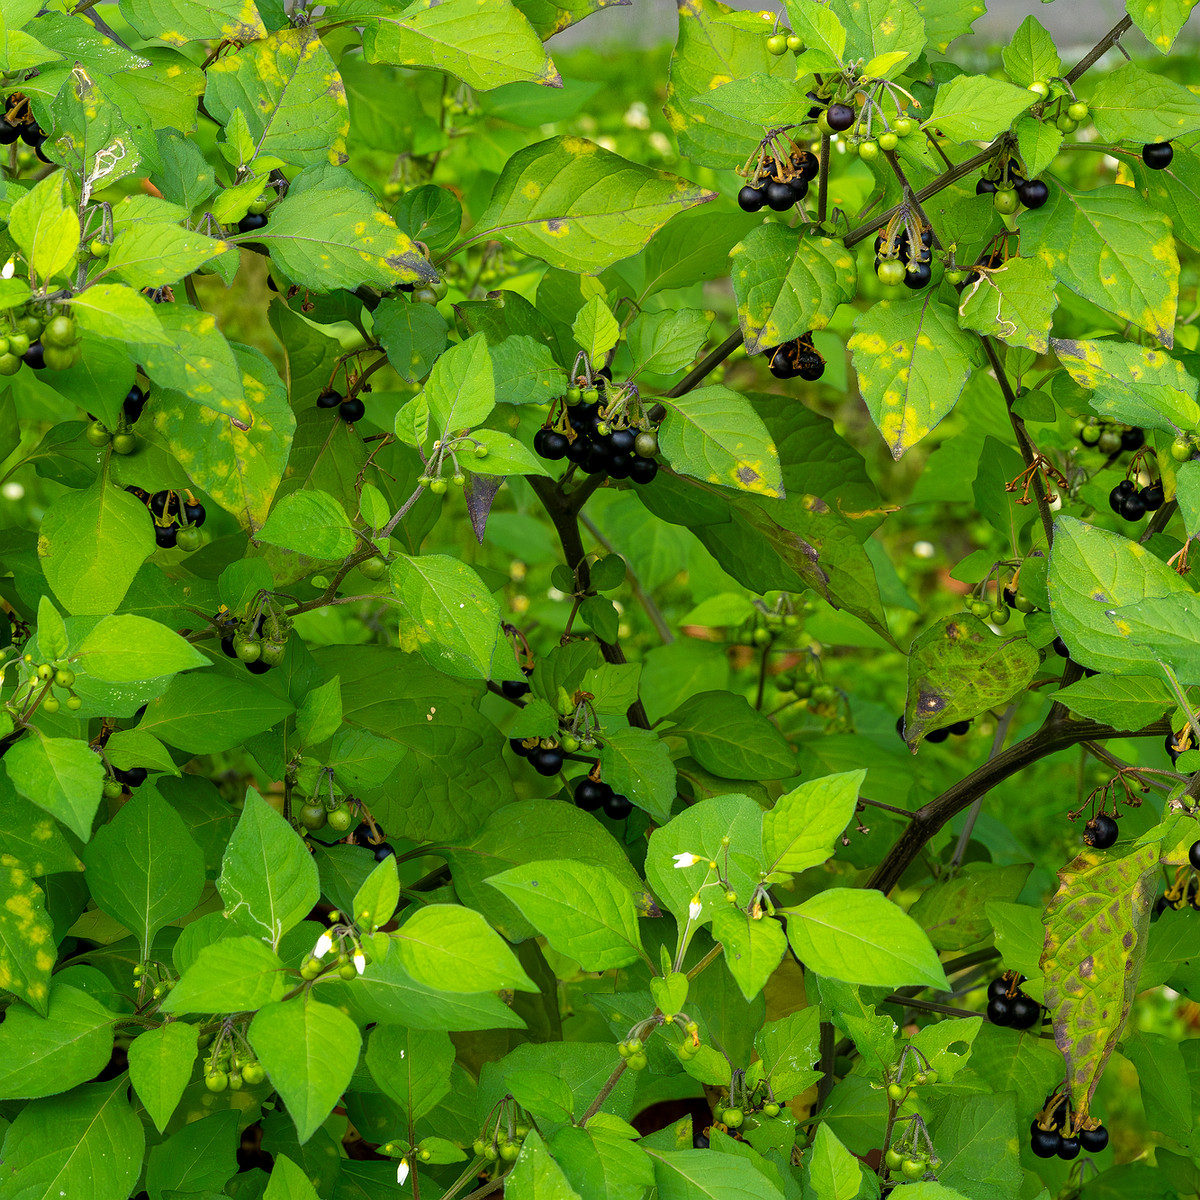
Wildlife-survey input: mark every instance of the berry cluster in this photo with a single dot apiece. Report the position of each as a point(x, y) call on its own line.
point(256, 218)
point(1132, 503)
point(545, 755)
point(959, 728)
point(592, 793)
point(797, 359)
point(504, 1144)
point(177, 520)
point(1101, 832)
point(1157, 155)
point(1109, 437)
point(1009, 188)
point(780, 41)
point(39, 343)
point(1008, 1005)
point(901, 259)
point(350, 409)
point(595, 432)
point(47, 676)
point(18, 122)
point(1050, 1132)
point(370, 834)
point(1070, 114)
point(259, 642)
point(122, 438)
point(232, 1069)
point(152, 977)
point(779, 180)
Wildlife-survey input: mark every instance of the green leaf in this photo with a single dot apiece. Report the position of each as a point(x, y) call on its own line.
point(1160, 20)
point(953, 911)
point(144, 868)
point(412, 334)
point(156, 254)
point(536, 1176)
point(698, 833)
point(461, 389)
point(1091, 572)
point(802, 829)
point(268, 879)
point(582, 910)
point(45, 227)
point(309, 1050)
point(713, 434)
point(959, 668)
point(787, 286)
point(236, 974)
point(320, 714)
point(505, 456)
point(446, 614)
point(1111, 248)
point(544, 1095)
point(198, 362)
point(1038, 142)
point(873, 1034)
point(485, 43)
point(430, 214)
point(1135, 105)
point(51, 631)
point(877, 29)
point(833, 1172)
point(160, 1066)
point(375, 902)
point(288, 88)
point(595, 329)
point(553, 16)
point(91, 544)
point(1015, 303)
point(730, 739)
point(86, 1143)
point(1031, 55)
point(452, 948)
point(310, 523)
point(412, 1066)
point(112, 310)
point(758, 99)
point(637, 763)
point(710, 52)
point(288, 1182)
point(46, 1055)
point(912, 362)
point(30, 840)
point(1096, 930)
point(329, 233)
point(862, 937)
point(703, 1175)
point(204, 714)
point(1174, 191)
point(663, 343)
point(973, 108)
point(579, 207)
point(978, 1132)
point(786, 1047)
point(127, 649)
point(26, 938)
point(1130, 383)
point(1118, 700)
point(178, 22)
point(1161, 626)
point(525, 371)
point(753, 948)
point(1163, 1082)
point(61, 775)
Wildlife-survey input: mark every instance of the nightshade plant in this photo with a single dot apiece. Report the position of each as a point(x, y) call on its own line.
point(368, 827)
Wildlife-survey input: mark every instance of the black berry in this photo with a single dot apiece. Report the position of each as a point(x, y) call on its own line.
point(518, 747)
point(917, 275)
point(362, 833)
point(133, 403)
point(1133, 438)
point(329, 399)
point(938, 735)
point(166, 536)
point(1153, 496)
point(839, 116)
point(1060, 648)
point(1093, 1140)
point(193, 513)
point(1044, 1142)
point(999, 1011)
point(132, 778)
point(642, 470)
point(351, 410)
point(1194, 855)
point(751, 199)
point(997, 988)
point(1033, 193)
point(514, 689)
point(554, 445)
point(1101, 832)
point(1157, 155)
point(984, 187)
point(1133, 507)
point(779, 196)
point(617, 807)
point(590, 793)
point(384, 850)
point(35, 356)
point(1068, 1147)
point(960, 727)
point(1025, 1013)
point(547, 760)
point(252, 221)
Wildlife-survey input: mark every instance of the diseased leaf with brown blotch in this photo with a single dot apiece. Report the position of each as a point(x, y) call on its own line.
point(960, 668)
point(1096, 933)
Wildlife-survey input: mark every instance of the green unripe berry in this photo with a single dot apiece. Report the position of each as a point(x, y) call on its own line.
point(890, 272)
point(348, 971)
point(97, 435)
point(868, 151)
point(1006, 201)
point(112, 790)
point(733, 1117)
point(216, 1081)
point(124, 443)
point(50, 705)
point(777, 44)
point(509, 1151)
point(590, 395)
point(98, 248)
point(636, 1062)
point(1078, 111)
point(246, 650)
point(438, 486)
point(459, 479)
point(64, 677)
point(374, 567)
point(904, 126)
point(896, 1092)
point(1039, 87)
point(1110, 441)
point(310, 968)
point(894, 1159)
point(1066, 124)
point(955, 276)
point(771, 1109)
point(795, 43)
point(574, 396)
point(912, 1168)
point(999, 615)
point(235, 1081)
point(74, 703)
point(253, 1073)
point(481, 451)
point(44, 671)
point(646, 444)
point(889, 141)
point(1181, 448)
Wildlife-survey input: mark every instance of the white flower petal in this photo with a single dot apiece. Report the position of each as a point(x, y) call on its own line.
point(323, 946)
point(695, 908)
point(360, 962)
point(686, 860)
point(402, 1171)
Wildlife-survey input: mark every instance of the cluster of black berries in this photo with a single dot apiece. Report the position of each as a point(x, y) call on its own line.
point(350, 410)
point(258, 648)
point(1132, 503)
point(588, 440)
point(176, 521)
point(797, 359)
point(545, 756)
point(938, 735)
point(779, 183)
point(901, 262)
point(1008, 1005)
point(1050, 1133)
point(1010, 189)
point(1101, 832)
point(18, 122)
point(373, 839)
point(1110, 437)
point(1157, 155)
point(591, 794)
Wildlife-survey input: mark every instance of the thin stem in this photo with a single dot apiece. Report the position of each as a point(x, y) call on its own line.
point(1118, 764)
point(602, 1095)
point(1098, 50)
point(713, 359)
point(386, 531)
point(762, 677)
point(973, 813)
point(1181, 696)
point(828, 1048)
point(929, 1006)
point(898, 170)
point(900, 812)
point(823, 182)
point(709, 958)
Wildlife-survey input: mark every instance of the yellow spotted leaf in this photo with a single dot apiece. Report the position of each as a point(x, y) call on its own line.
point(27, 951)
point(178, 22)
point(1014, 303)
point(912, 361)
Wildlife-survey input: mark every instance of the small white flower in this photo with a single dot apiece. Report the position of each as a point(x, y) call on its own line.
point(686, 860)
point(323, 946)
point(402, 1171)
point(360, 962)
point(695, 908)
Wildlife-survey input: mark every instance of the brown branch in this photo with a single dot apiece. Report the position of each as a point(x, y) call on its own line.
point(1093, 56)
